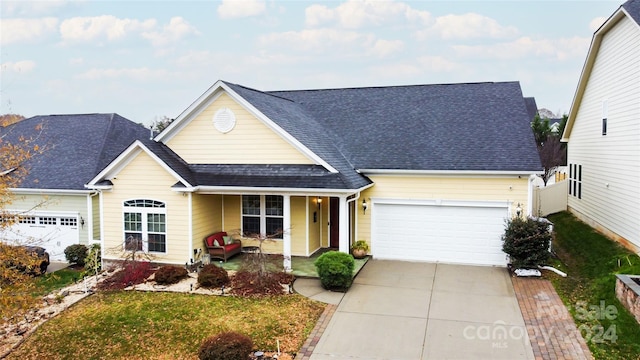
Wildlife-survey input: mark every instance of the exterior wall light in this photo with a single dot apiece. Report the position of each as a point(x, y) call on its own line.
point(365, 206)
point(518, 210)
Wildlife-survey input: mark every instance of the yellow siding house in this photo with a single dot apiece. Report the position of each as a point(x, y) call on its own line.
point(419, 172)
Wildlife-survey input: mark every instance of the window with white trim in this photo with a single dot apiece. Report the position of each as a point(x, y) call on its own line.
point(45, 220)
point(27, 220)
point(575, 180)
point(263, 214)
point(69, 222)
point(145, 224)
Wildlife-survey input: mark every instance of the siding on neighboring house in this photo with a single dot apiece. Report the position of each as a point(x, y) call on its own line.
point(610, 196)
point(469, 188)
point(250, 142)
point(95, 205)
point(72, 204)
point(133, 183)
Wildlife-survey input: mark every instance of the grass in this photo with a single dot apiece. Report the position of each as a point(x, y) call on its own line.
point(149, 325)
point(57, 280)
point(591, 261)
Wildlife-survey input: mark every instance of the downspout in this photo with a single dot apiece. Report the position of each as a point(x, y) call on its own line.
point(90, 216)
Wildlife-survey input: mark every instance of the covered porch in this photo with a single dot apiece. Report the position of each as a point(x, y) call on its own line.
point(292, 224)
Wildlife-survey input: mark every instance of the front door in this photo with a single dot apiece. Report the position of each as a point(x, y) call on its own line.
point(334, 222)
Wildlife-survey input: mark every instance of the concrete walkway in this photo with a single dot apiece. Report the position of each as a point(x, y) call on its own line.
point(405, 310)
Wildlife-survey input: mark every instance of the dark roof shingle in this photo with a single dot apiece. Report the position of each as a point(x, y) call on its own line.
point(74, 147)
point(447, 127)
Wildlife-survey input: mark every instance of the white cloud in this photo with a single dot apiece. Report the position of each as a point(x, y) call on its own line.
point(468, 26)
point(177, 29)
point(596, 23)
point(355, 14)
point(25, 30)
point(142, 73)
point(384, 48)
point(23, 67)
point(88, 29)
point(233, 9)
point(319, 40)
point(525, 47)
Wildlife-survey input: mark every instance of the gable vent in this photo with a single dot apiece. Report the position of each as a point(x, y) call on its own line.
point(224, 120)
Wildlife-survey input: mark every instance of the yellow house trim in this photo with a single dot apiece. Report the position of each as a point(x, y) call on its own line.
point(125, 158)
point(209, 97)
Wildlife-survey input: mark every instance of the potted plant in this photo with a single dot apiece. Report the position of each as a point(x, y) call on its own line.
point(360, 249)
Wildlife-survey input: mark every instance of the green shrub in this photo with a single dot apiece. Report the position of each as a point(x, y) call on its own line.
point(76, 254)
point(226, 346)
point(335, 270)
point(526, 241)
point(212, 276)
point(170, 274)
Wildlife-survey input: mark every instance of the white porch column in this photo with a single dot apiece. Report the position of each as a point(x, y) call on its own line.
point(344, 226)
point(286, 235)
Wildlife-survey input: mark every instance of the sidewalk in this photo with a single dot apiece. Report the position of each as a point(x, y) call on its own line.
point(551, 329)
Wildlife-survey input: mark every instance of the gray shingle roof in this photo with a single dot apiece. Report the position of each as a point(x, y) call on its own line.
point(424, 127)
point(633, 8)
point(76, 147)
point(532, 107)
point(272, 175)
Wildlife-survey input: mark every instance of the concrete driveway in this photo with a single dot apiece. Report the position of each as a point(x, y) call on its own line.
point(406, 310)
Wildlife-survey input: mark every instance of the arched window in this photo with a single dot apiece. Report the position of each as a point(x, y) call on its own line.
point(145, 225)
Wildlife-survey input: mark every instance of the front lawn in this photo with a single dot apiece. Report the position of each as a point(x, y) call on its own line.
point(591, 262)
point(53, 281)
point(153, 325)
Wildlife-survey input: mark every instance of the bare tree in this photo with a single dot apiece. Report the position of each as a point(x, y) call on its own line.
point(552, 155)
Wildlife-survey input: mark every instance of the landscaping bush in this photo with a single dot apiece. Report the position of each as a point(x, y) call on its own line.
point(527, 242)
point(335, 270)
point(93, 261)
point(167, 275)
point(247, 283)
point(226, 346)
point(131, 273)
point(212, 276)
point(76, 254)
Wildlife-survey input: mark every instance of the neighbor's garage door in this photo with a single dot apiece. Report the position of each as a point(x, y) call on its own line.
point(53, 232)
point(450, 233)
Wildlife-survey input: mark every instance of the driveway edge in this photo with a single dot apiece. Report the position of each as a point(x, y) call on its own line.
point(551, 329)
point(310, 344)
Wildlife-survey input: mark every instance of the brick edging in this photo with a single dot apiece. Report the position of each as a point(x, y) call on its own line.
point(552, 331)
point(310, 344)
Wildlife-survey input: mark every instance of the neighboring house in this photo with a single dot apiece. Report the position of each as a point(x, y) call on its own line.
point(53, 206)
point(603, 130)
point(413, 170)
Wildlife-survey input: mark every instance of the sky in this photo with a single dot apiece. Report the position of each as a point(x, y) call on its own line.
point(148, 59)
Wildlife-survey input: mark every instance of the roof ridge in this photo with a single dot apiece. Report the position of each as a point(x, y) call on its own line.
point(259, 91)
point(393, 86)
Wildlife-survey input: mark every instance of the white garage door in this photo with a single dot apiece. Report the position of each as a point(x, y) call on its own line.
point(53, 232)
point(465, 233)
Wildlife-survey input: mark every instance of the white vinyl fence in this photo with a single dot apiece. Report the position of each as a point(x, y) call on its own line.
point(550, 199)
